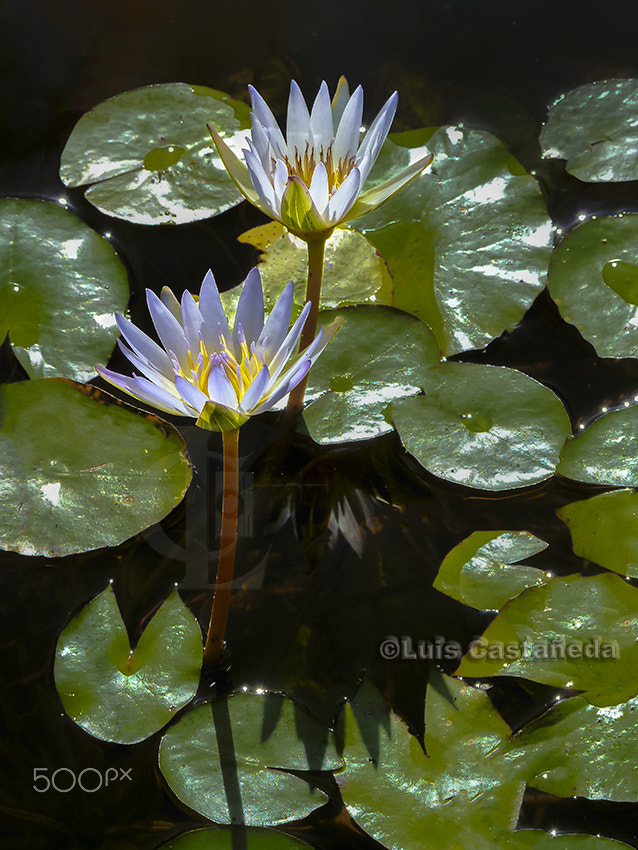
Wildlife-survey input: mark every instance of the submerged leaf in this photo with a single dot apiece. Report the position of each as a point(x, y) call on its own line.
point(123, 695)
point(60, 285)
point(227, 838)
point(147, 157)
point(483, 426)
point(80, 470)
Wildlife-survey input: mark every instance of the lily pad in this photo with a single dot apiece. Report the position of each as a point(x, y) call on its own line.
point(593, 278)
point(466, 792)
point(606, 452)
point(468, 242)
point(585, 751)
point(60, 285)
point(123, 695)
point(228, 759)
point(377, 356)
point(147, 157)
point(481, 571)
point(80, 471)
point(594, 128)
point(226, 838)
point(483, 426)
point(605, 530)
point(574, 632)
point(353, 271)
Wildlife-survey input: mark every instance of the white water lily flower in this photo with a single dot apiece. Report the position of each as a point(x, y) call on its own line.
point(312, 180)
point(205, 371)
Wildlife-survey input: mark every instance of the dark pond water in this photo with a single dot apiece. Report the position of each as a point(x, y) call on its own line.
point(492, 65)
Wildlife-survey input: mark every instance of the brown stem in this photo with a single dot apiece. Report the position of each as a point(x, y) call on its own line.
point(227, 544)
point(316, 250)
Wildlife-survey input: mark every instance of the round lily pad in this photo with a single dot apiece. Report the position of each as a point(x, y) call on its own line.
point(585, 751)
point(226, 838)
point(60, 285)
point(378, 355)
point(606, 452)
point(483, 426)
point(124, 695)
point(594, 128)
point(80, 470)
point(605, 530)
point(573, 632)
point(482, 571)
point(468, 242)
point(228, 759)
point(147, 156)
point(593, 278)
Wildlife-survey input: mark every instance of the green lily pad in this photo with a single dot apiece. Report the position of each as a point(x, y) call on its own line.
point(123, 695)
point(467, 243)
point(605, 530)
point(483, 426)
point(377, 356)
point(585, 751)
point(574, 632)
point(353, 271)
point(80, 471)
point(226, 838)
point(228, 759)
point(481, 571)
point(466, 792)
point(60, 284)
point(606, 452)
point(594, 128)
point(147, 156)
point(593, 278)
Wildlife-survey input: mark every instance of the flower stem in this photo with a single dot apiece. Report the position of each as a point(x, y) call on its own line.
point(227, 544)
point(316, 250)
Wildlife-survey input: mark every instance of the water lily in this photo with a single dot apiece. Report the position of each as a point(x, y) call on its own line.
point(202, 369)
point(312, 180)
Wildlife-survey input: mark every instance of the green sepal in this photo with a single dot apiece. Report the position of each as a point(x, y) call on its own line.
point(216, 417)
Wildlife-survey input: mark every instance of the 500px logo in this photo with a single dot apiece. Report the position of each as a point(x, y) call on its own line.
point(63, 779)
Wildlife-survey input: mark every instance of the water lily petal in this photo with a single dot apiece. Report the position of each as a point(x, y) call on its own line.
point(347, 138)
point(261, 145)
point(291, 340)
point(277, 323)
point(376, 136)
point(261, 181)
point(192, 320)
point(144, 346)
point(237, 170)
point(169, 300)
point(191, 395)
point(169, 330)
point(321, 128)
point(250, 308)
point(298, 212)
point(255, 391)
point(284, 388)
point(267, 120)
point(376, 196)
point(154, 395)
point(345, 196)
point(210, 306)
point(340, 100)
point(280, 179)
point(319, 189)
point(220, 389)
point(146, 368)
point(297, 122)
